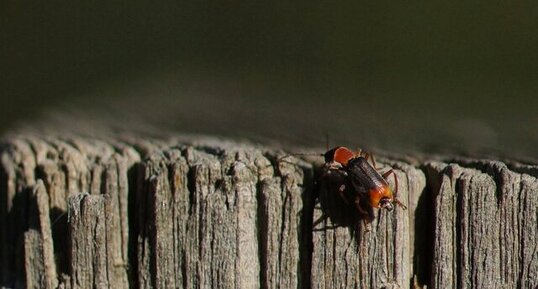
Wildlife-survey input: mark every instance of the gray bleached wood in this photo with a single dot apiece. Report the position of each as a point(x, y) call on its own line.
point(38, 246)
point(225, 219)
point(486, 225)
point(66, 167)
point(206, 213)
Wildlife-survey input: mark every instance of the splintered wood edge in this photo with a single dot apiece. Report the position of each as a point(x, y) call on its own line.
point(485, 225)
point(165, 209)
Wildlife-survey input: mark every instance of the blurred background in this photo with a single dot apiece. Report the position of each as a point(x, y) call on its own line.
point(436, 77)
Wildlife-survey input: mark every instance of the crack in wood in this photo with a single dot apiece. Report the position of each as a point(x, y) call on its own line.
point(211, 213)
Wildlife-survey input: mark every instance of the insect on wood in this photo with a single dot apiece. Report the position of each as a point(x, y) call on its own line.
point(351, 187)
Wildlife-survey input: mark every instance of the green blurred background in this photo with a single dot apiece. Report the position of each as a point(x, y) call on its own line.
point(438, 76)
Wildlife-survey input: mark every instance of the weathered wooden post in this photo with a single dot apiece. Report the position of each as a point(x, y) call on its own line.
point(129, 212)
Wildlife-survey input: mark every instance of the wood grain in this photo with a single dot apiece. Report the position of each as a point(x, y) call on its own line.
point(132, 212)
point(486, 225)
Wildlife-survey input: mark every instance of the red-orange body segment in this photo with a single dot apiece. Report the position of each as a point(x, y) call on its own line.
point(378, 193)
point(342, 155)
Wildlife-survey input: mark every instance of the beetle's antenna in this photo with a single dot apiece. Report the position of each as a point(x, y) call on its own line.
point(299, 154)
point(305, 154)
point(370, 157)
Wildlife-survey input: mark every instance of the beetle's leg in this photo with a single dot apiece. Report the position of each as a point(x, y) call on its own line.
point(284, 157)
point(359, 208)
point(341, 190)
point(394, 199)
point(387, 174)
point(322, 218)
point(369, 156)
point(365, 215)
point(334, 166)
point(399, 203)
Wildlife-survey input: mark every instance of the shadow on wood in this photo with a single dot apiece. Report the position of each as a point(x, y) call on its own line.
point(208, 213)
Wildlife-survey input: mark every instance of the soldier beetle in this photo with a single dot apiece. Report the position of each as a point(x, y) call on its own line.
point(357, 182)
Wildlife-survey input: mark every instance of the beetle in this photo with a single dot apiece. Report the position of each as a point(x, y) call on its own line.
point(358, 182)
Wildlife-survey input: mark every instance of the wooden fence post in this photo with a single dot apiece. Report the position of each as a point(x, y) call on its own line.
point(79, 212)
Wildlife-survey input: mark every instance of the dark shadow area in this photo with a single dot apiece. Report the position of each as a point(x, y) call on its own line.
point(60, 230)
point(13, 248)
point(15, 208)
point(339, 206)
point(134, 219)
point(262, 234)
point(341, 212)
point(305, 236)
point(61, 240)
point(425, 229)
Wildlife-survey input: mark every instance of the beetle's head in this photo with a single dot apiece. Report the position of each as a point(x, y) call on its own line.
point(386, 203)
point(329, 155)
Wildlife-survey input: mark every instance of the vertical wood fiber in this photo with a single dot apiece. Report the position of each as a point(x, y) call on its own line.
point(486, 226)
point(206, 213)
